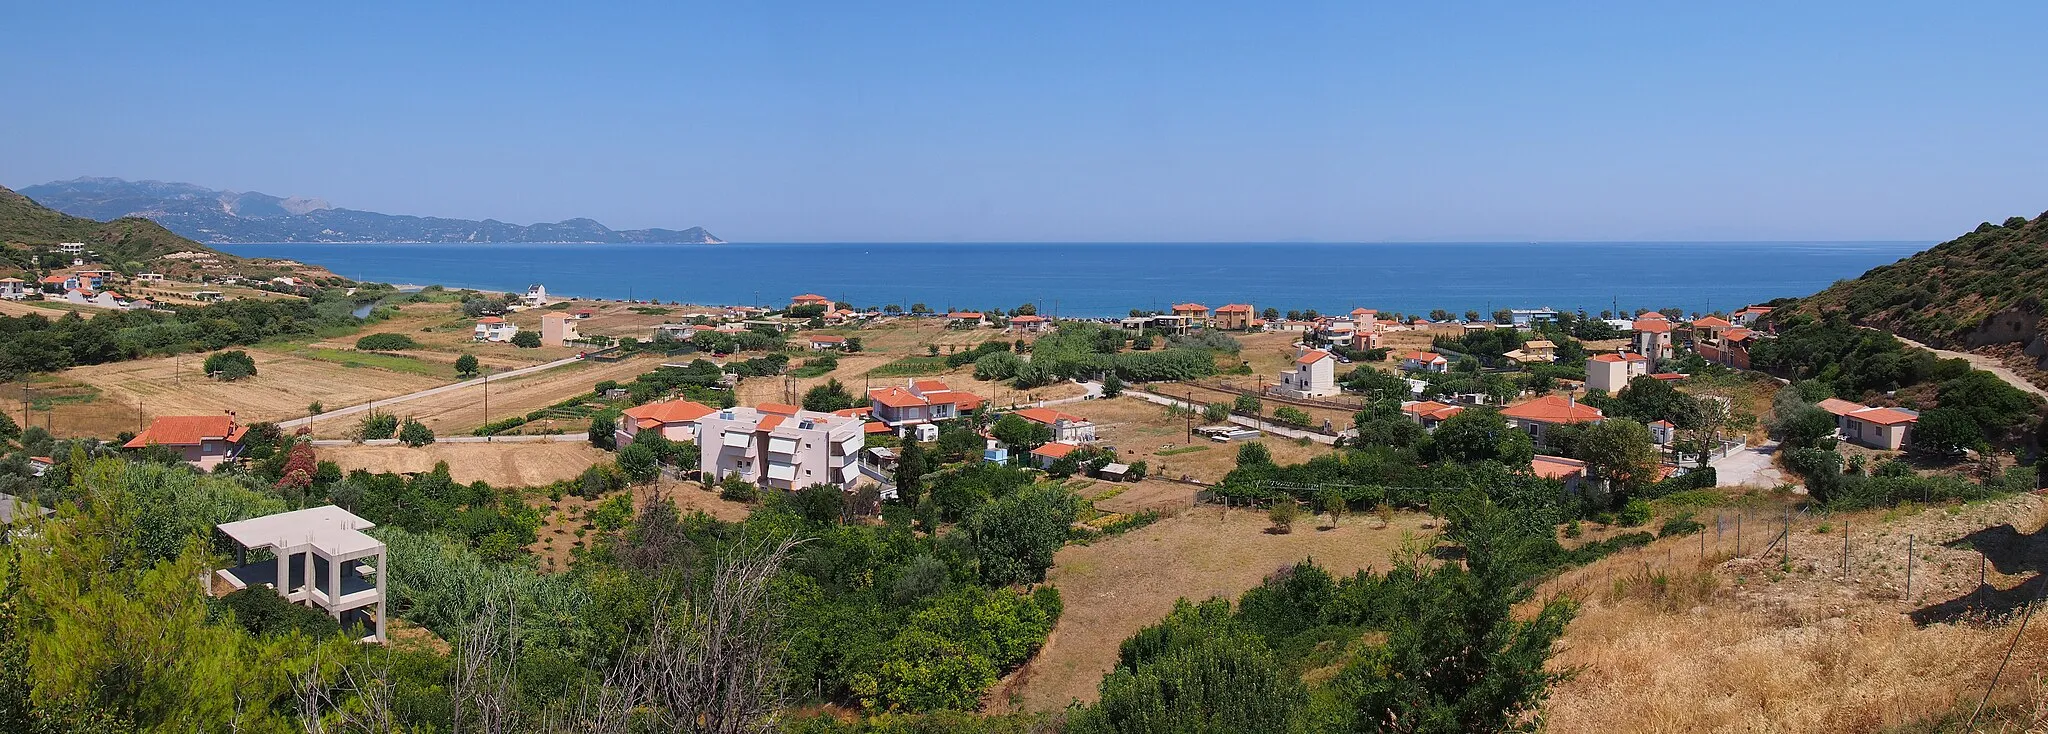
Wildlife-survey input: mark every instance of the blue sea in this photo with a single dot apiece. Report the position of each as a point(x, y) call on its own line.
point(1073, 279)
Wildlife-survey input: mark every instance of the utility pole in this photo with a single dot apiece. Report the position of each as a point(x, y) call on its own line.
point(487, 407)
point(1191, 417)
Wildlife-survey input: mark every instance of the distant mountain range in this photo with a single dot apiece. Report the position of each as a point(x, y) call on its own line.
point(230, 217)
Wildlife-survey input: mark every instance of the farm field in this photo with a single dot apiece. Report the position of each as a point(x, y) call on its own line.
point(460, 411)
point(564, 528)
point(282, 388)
point(1142, 431)
point(1116, 586)
point(500, 464)
point(46, 309)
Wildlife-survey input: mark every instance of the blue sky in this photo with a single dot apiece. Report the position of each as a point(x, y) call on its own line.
point(1057, 121)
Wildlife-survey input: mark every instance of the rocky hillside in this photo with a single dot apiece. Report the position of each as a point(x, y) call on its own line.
point(215, 216)
point(28, 229)
point(1982, 289)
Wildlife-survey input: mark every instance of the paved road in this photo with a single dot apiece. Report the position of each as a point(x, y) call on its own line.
point(1094, 393)
point(552, 438)
point(1276, 430)
point(1987, 364)
point(353, 409)
point(1749, 467)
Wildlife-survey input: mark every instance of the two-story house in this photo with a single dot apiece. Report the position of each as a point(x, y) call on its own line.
point(205, 441)
point(321, 558)
point(1314, 376)
point(494, 329)
point(1196, 314)
point(919, 402)
point(1538, 415)
point(1609, 373)
point(1065, 427)
point(787, 452)
point(1653, 337)
point(1425, 362)
point(675, 419)
point(1232, 317)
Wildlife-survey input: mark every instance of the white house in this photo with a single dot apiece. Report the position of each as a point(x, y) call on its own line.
point(1878, 428)
point(1314, 376)
point(13, 289)
point(1425, 362)
point(321, 558)
point(827, 343)
point(494, 329)
point(1065, 427)
point(919, 402)
point(536, 295)
point(787, 452)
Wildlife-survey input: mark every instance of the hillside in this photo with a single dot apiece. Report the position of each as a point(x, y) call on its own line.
point(24, 222)
point(210, 215)
point(1982, 289)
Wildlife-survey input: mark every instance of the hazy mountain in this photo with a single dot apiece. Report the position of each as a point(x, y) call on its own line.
point(208, 215)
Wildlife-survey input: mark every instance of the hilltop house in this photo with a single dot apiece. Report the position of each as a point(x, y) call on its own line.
point(787, 452)
point(320, 558)
point(1748, 315)
point(1425, 362)
point(919, 402)
point(1065, 427)
point(1233, 317)
point(205, 441)
point(1610, 373)
point(558, 329)
point(1538, 415)
point(1196, 314)
point(1314, 376)
point(494, 329)
point(1889, 429)
point(675, 419)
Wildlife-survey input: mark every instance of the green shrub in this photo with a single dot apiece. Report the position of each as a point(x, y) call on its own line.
point(1636, 512)
point(230, 365)
point(735, 489)
point(385, 342)
point(1680, 525)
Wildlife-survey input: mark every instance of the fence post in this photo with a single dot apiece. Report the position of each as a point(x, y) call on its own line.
point(1738, 535)
point(1786, 552)
point(1845, 549)
point(1909, 568)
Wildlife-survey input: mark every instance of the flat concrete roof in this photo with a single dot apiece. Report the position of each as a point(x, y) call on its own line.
point(332, 530)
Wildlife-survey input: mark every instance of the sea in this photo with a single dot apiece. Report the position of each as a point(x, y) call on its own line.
point(1110, 279)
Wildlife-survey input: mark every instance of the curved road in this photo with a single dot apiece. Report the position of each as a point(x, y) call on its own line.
point(1987, 364)
point(353, 409)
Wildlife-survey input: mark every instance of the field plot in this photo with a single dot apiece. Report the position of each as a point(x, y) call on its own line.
point(565, 529)
point(444, 334)
point(457, 412)
point(1142, 431)
point(282, 388)
point(1117, 586)
point(501, 464)
point(46, 309)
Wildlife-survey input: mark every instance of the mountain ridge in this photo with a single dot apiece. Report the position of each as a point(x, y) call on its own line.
point(233, 217)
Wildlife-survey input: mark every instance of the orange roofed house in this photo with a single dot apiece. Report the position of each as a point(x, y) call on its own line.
point(1066, 427)
point(1233, 317)
point(919, 402)
point(1537, 416)
point(205, 441)
point(1196, 314)
point(810, 299)
point(1653, 336)
point(1878, 428)
point(675, 419)
point(781, 451)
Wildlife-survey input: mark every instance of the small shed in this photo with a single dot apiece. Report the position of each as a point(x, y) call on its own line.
point(1114, 472)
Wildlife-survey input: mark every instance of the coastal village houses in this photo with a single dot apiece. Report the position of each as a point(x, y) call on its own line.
point(494, 329)
point(675, 419)
point(1653, 337)
point(1609, 373)
point(1538, 415)
point(1065, 427)
point(320, 557)
point(1748, 315)
point(1195, 313)
point(919, 402)
point(781, 448)
point(1889, 429)
point(1032, 323)
point(810, 299)
point(1314, 376)
point(204, 441)
point(1233, 317)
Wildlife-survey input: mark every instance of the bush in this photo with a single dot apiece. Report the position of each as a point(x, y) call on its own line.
point(1290, 415)
point(465, 365)
point(415, 434)
point(230, 366)
point(612, 514)
point(378, 426)
point(1215, 412)
point(1681, 525)
point(639, 462)
point(735, 489)
point(1283, 515)
point(385, 342)
point(526, 339)
point(1636, 512)
point(1248, 404)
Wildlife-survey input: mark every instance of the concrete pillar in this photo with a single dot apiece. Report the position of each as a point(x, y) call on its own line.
point(284, 573)
point(334, 588)
point(383, 566)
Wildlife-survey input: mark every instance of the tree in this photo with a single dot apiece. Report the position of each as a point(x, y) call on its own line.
point(526, 339)
point(1254, 454)
point(229, 366)
point(910, 471)
point(1215, 412)
point(1479, 435)
point(1112, 385)
point(1334, 504)
point(1946, 431)
point(414, 433)
point(828, 397)
point(1200, 671)
point(1620, 451)
point(1016, 535)
point(819, 504)
point(377, 426)
point(299, 464)
point(465, 365)
point(604, 428)
point(1248, 404)
point(1283, 515)
point(639, 463)
point(1019, 434)
point(1291, 415)
point(385, 342)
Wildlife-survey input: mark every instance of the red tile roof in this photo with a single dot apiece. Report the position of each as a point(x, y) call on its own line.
point(1738, 334)
point(929, 386)
point(1234, 308)
point(1190, 307)
point(1839, 406)
point(964, 315)
point(1054, 450)
point(827, 339)
point(778, 408)
point(1423, 356)
point(1432, 410)
point(1026, 319)
point(1884, 416)
point(1654, 326)
point(1710, 322)
point(875, 428)
point(896, 397)
point(188, 430)
point(490, 320)
point(768, 423)
point(673, 411)
point(810, 298)
point(1553, 409)
point(1557, 467)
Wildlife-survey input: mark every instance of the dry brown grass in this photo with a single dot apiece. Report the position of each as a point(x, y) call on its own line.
point(1115, 587)
point(460, 411)
point(564, 530)
point(500, 464)
point(282, 388)
point(1141, 431)
point(1745, 644)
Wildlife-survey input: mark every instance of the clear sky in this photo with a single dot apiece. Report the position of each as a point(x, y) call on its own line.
point(1059, 121)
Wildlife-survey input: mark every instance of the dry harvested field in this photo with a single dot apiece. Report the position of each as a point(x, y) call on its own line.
point(1339, 419)
point(904, 337)
point(1117, 586)
point(852, 372)
point(444, 334)
point(499, 464)
point(1746, 644)
point(282, 388)
point(564, 528)
point(45, 310)
point(459, 411)
point(1142, 431)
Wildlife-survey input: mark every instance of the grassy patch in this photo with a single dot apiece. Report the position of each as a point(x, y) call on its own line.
point(910, 367)
point(375, 360)
point(71, 394)
point(651, 310)
point(1181, 450)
